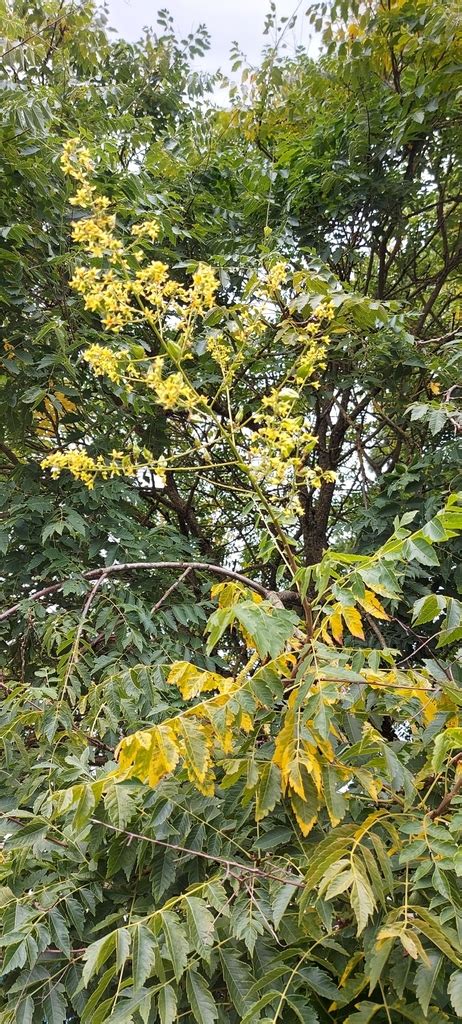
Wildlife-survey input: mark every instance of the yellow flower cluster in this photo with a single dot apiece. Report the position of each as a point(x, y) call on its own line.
point(146, 229)
point(276, 276)
point(202, 292)
point(316, 477)
point(104, 362)
point(171, 391)
point(129, 292)
point(76, 160)
point(85, 468)
point(150, 283)
point(280, 435)
point(96, 234)
point(219, 350)
point(325, 311)
point(82, 466)
point(105, 293)
point(118, 296)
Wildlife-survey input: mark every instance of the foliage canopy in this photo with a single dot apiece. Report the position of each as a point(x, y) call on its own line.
point(231, 514)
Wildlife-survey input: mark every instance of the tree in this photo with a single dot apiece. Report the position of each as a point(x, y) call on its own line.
point(231, 686)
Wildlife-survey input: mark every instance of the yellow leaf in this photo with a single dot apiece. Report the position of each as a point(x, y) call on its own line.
point(149, 754)
point(191, 680)
point(352, 963)
point(228, 594)
point(353, 621)
point(246, 722)
point(165, 753)
point(306, 814)
point(325, 633)
point(430, 709)
point(335, 622)
point(196, 741)
point(412, 944)
point(371, 604)
point(295, 780)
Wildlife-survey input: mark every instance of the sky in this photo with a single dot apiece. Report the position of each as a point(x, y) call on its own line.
point(226, 20)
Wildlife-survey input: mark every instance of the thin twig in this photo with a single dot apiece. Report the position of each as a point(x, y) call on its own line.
point(170, 590)
point(35, 35)
point(246, 868)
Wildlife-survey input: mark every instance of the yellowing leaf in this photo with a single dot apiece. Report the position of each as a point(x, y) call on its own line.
point(353, 621)
point(335, 623)
point(306, 814)
point(149, 754)
point(430, 708)
point(371, 604)
point(412, 944)
point(195, 747)
point(192, 681)
point(362, 898)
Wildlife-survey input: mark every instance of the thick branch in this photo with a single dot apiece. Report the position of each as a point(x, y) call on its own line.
point(287, 597)
point(446, 801)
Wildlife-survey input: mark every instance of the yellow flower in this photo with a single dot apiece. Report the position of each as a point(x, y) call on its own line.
point(82, 466)
point(104, 362)
point(202, 292)
point(76, 160)
point(147, 228)
point(84, 196)
point(276, 276)
point(171, 391)
point(219, 350)
point(325, 311)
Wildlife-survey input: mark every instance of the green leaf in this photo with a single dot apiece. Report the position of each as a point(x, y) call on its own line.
point(200, 998)
point(177, 943)
point(238, 979)
point(59, 931)
point(420, 551)
point(305, 1013)
point(268, 790)
point(143, 955)
point(24, 1011)
point(119, 804)
point(364, 1013)
point(166, 1005)
point(269, 627)
point(439, 939)
point(320, 982)
point(336, 802)
point(445, 741)
point(376, 962)
point(455, 991)
point(268, 997)
point(131, 1001)
point(280, 902)
point(94, 1001)
point(55, 1005)
point(427, 608)
point(96, 955)
point(217, 624)
point(425, 979)
point(201, 926)
point(123, 942)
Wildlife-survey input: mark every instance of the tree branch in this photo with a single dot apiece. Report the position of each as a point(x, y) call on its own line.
point(287, 597)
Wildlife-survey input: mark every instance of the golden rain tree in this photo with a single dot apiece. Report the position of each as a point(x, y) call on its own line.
point(230, 719)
